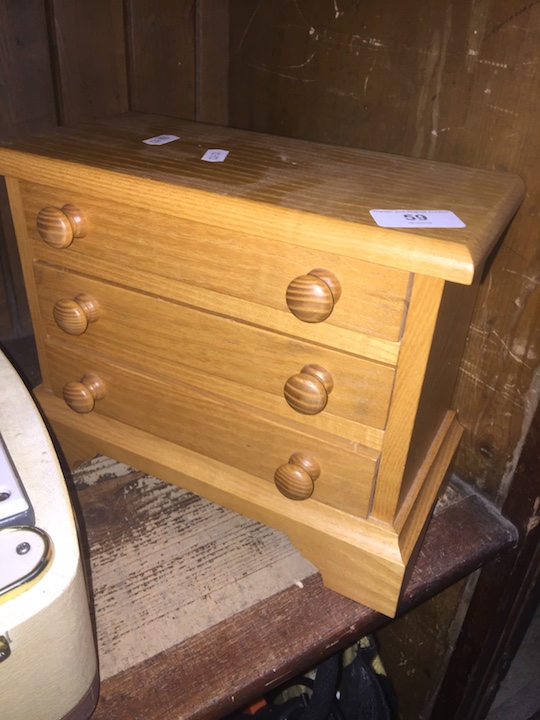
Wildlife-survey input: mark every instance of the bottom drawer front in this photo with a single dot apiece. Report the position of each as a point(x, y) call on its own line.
point(255, 442)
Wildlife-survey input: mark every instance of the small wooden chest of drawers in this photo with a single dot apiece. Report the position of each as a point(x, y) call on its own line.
point(241, 323)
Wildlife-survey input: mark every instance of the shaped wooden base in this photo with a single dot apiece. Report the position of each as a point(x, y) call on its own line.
point(362, 559)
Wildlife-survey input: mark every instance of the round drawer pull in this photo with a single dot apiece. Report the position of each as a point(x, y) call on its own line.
point(58, 227)
point(73, 316)
point(296, 479)
point(307, 391)
point(312, 297)
point(81, 396)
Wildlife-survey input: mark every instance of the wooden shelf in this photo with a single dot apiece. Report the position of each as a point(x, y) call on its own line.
point(233, 661)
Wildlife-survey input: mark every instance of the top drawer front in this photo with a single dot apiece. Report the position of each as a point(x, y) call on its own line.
point(204, 263)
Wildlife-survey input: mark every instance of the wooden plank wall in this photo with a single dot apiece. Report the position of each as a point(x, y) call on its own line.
point(89, 60)
point(61, 62)
point(27, 103)
point(88, 55)
point(161, 56)
point(451, 81)
point(68, 61)
point(457, 82)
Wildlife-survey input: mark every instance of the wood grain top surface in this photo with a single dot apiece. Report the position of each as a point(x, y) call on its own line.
point(332, 182)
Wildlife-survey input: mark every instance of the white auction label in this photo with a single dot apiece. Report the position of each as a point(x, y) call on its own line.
point(161, 139)
point(215, 155)
point(416, 218)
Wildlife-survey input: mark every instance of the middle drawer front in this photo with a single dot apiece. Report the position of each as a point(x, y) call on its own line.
point(253, 441)
point(221, 355)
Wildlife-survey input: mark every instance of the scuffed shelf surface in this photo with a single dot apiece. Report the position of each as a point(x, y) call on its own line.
point(199, 610)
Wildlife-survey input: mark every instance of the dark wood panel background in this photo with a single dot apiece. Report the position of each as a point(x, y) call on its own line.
point(451, 81)
point(88, 58)
point(67, 61)
point(161, 56)
point(27, 103)
point(457, 81)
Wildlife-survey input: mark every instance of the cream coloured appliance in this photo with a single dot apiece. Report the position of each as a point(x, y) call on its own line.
point(48, 662)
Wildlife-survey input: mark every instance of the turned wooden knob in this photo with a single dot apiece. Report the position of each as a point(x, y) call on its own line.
point(73, 316)
point(59, 226)
point(81, 396)
point(307, 391)
point(296, 479)
point(312, 297)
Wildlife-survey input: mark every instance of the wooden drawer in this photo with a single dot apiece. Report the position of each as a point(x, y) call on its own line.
point(245, 363)
point(255, 442)
point(206, 262)
point(219, 282)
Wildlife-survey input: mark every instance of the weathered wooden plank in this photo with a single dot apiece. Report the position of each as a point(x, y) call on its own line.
point(449, 81)
point(212, 61)
point(408, 646)
point(457, 82)
point(7, 306)
point(185, 591)
point(519, 694)
point(167, 565)
point(27, 103)
point(504, 601)
point(161, 51)
point(14, 313)
point(89, 59)
point(25, 75)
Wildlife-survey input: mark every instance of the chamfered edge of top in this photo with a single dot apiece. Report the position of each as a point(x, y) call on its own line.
point(342, 221)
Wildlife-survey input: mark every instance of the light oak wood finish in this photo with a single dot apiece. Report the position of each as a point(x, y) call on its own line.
point(58, 227)
point(151, 328)
point(312, 297)
point(296, 479)
point(308, 391)
point(168, 264)
point(259, 338)
point(256, 441)
point(81, 396)
point(74, 315)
